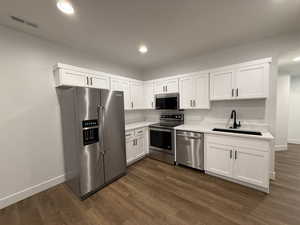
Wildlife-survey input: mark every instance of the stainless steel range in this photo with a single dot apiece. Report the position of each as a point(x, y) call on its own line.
point(162, 137)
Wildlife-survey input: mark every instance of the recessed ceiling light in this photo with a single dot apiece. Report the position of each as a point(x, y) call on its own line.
point(143, 49)
point(296, 59)
point(65, 6)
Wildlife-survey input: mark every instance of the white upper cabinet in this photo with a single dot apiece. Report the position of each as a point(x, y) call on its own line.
point(221, 85)
point(194, 91)
point(65, 77)
point(149, 95)
point(252, 81)
point(244, 81)
point(122, 85)
point(186, 92)
point(166, 86)
point(137, 94)
point(100, 81)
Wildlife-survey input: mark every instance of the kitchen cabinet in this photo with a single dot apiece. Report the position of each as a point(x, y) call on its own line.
point(219, 159)
point(243, 160)
point(67, 77)
point(122, 85)
point(221, 85)
point(194, 91)
point(243, 81)
point(64, 77)
point(166, 86)
point(135, 145)
point(100, 81)
point(137, 95)
point(149, 95)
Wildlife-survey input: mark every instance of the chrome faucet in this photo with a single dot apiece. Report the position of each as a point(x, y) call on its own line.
point(235, 125)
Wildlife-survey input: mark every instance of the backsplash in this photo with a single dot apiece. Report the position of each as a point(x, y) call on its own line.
point(134, 116)
point(251, 113)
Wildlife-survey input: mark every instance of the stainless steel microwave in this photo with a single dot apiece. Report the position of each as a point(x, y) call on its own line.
point(167, 101)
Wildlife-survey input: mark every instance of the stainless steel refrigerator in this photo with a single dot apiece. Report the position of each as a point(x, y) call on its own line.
point(93, 137)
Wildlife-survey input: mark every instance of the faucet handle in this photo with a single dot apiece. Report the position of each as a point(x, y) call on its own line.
point(239, 124)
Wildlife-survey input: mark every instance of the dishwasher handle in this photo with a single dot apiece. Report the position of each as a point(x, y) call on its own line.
point(188, 136)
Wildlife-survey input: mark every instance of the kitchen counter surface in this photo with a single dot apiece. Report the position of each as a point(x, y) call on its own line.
point(132, 126)
point(208, 130)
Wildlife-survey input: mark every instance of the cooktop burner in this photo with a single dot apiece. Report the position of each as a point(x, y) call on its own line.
point(170, 120)
point(166, 124)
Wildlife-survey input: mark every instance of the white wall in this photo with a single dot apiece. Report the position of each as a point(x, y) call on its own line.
point(30, 129)
point(294, 111)
point(282, 111)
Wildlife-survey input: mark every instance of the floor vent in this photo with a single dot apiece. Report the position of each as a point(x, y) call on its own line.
point(25, 22)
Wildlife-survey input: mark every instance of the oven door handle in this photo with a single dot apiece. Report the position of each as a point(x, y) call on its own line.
point(160, 129)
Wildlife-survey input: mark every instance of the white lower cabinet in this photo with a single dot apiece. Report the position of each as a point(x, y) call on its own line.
point(135, 144)
point(218, 159)
point(244, 160)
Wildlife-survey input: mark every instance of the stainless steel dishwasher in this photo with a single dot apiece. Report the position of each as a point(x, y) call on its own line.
point(190, 149)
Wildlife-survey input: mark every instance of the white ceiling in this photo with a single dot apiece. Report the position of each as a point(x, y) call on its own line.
point(172, 29)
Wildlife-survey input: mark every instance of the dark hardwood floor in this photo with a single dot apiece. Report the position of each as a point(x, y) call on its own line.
point(156, 193)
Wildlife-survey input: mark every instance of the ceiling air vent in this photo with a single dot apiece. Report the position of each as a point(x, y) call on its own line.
point(25, 22)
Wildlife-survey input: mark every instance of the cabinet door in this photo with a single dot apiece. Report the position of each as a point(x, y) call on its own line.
point(122, 85)
point(201, 83)
point(130, 150)
point(72, 78)
point(219, 159)
point(171, 86)
point(140, 146)
point(137, 95)
point(125, 86)
point(251, 166)
point(187, 92)
point(149, 95)
point(252, 81)
point(99, 81)
point(159, 87)
point(221, 85)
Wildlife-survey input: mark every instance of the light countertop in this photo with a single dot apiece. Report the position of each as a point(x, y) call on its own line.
point(208, 130)
point(136, 125)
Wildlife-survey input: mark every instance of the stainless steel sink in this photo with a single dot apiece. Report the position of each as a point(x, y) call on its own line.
point(238, 131)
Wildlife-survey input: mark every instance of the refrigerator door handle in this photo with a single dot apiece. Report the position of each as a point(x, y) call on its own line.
point(101, 127)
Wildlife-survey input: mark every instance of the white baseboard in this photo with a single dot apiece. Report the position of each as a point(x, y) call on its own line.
point(18, 196)
point(272, 175)
point(280, 148)
point(294, 141)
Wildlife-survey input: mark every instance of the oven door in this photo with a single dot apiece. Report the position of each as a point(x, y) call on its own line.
point(167, 101)
point(162, 139)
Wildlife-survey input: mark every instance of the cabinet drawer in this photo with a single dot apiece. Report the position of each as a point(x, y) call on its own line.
point(129, 135)
point(139, 132)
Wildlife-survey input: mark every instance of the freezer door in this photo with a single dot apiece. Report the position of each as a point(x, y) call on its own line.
point(113, 127)
point(91, 155)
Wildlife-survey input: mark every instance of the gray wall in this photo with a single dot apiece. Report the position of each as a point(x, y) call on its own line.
point(30, 134)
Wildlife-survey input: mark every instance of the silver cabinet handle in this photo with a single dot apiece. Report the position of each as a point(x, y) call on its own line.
point(237, 92)
point(230, 154)
point(235, 155)
point(91, 80)
point(87, 81)
point(191, 103)
point(194, 103)
point(131, 104)
point(166, 88)
point(232, 92)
